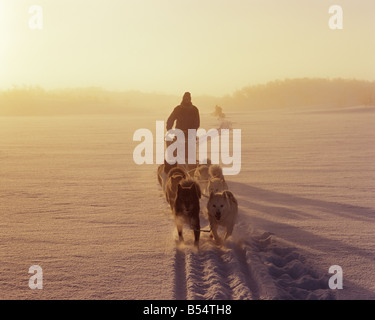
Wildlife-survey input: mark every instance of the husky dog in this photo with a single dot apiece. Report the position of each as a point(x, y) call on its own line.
point(163, 171)
point(222, 211)
point(186, 208)
point(202, 176)
point(175, 176)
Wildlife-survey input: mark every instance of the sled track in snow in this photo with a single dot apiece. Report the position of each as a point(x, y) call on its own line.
point(249, 269)
point(214, 273)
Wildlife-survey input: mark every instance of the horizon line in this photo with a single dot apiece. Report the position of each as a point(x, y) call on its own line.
point(102, 88)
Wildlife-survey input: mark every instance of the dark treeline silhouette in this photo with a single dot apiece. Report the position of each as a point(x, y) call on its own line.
point(304, 92)
point(30, 100)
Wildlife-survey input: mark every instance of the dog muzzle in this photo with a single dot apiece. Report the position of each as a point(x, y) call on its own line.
point(218, 215)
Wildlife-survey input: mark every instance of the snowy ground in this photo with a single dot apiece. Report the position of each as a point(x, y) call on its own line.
point(73, 202)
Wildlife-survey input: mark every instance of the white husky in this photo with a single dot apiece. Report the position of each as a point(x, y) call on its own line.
point(222, 211)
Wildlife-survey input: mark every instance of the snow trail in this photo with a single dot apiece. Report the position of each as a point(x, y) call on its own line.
point(246, 267)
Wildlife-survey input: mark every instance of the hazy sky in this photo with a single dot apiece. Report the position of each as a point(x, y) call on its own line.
point(171, 46)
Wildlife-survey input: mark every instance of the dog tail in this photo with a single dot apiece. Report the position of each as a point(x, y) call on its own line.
point(177, 171)
point(215, 171)
point(201, 171)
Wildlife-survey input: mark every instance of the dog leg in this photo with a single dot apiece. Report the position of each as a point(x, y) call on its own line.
point(179, 226)
point(216, 235)
point(196, 238)
point(195, 223)
point(229, 232)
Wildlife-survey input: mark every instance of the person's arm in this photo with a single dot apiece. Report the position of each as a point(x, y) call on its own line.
point(172, 118)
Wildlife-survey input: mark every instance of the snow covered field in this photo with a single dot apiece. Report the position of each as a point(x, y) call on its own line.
point(73, 201)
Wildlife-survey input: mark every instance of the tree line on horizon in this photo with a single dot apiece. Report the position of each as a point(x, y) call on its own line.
point(289, 93)
point(305, 92)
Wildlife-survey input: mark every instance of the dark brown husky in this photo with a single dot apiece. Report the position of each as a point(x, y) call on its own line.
point(175, 176)
point(186, 208)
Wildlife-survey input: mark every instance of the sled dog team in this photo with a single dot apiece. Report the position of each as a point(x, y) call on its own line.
point(184, 187)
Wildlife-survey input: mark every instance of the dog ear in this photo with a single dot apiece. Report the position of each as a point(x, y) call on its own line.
point(229, 196)
point(211, 194)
